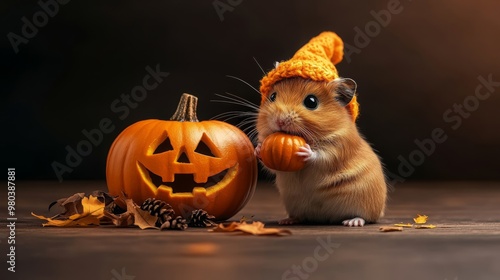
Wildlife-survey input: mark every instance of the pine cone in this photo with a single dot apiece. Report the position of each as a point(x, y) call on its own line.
point(200, 218)
point(177, 223)
point(160, 209)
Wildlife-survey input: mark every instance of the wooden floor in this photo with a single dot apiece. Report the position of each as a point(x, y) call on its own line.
point(465, 245)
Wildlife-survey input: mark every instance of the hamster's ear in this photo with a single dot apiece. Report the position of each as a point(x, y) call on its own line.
point(344, 90)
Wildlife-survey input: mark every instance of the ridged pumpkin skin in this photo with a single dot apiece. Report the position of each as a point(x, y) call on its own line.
point(140, 165)
point(278, 152)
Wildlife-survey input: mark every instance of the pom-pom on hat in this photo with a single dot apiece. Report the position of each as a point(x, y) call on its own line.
point(316, 61)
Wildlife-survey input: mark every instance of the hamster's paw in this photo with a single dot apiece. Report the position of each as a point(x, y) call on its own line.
point(355, 222)
point(306, 152)
point(289, 221)
point(256, 152)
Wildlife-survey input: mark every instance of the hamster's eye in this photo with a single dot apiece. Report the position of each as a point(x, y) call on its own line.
point(272, 97)
point(311, 102)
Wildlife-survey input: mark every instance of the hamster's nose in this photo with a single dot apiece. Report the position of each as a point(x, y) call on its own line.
point(280, 123)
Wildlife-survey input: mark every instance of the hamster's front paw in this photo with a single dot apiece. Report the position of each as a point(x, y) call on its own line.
point(354, 222)
point(306, 152)
point(257, 150)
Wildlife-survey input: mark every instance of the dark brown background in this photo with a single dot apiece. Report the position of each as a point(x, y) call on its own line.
point(423, 62)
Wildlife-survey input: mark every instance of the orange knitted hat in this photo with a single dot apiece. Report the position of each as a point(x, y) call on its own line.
point(316, 61)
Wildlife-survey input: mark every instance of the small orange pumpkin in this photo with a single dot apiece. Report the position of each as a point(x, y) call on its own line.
point(189, 164)
point(278, 152)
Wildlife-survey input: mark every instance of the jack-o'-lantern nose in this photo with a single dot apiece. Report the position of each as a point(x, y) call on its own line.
point(183, 158)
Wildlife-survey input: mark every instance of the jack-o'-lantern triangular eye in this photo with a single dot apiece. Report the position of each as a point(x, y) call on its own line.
point(164, 146)
point(207, 147)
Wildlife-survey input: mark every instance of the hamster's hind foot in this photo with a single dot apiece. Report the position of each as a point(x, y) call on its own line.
point(354, 222)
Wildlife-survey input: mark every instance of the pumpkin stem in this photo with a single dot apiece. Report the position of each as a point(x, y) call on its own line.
point(186, 110)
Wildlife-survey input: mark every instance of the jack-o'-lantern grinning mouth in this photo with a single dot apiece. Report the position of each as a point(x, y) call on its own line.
point(184, 183)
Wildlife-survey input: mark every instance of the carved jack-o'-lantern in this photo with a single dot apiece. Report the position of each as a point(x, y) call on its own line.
point(189, 164)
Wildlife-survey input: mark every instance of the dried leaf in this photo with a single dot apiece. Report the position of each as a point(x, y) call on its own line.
point(53, 222)
point(133, 216)
point(74, 220)
point(93, 206)
point(72, 205)
point(408, 225)
point(120, 220)
point(104, 197)
point(226, 228)
point(114, 208)
point(420, 219)
point(142, 218)
point(425, 226)
point(255, 228)
point(86, 220)
point(92, 211)
point(388, 229)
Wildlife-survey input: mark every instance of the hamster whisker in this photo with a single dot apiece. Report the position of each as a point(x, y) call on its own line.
point(308, 134)
point(250, 118)
point(239, 113)
point(258, 64)
point(252, 134)
point(247, 125)
point(232, 102)
point(234, 114)
point(248, 121)
point(249, 128)
point(236, 100)
point(246, 83)
point(239, 98)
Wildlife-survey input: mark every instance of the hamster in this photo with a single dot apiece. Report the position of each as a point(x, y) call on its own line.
point(343, 179)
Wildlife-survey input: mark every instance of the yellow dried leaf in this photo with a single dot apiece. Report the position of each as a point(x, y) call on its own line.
point(93, 211)
point(425, 226)
point(73, 220)
point(255, 228)
point(92, 206)
point(408, 225)
point(51, 222)
point(420, 219)
point(226, 228)
point(86, 221)
point(388, 229)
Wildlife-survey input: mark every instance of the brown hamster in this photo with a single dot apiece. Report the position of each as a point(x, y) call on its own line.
point(343, 179)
